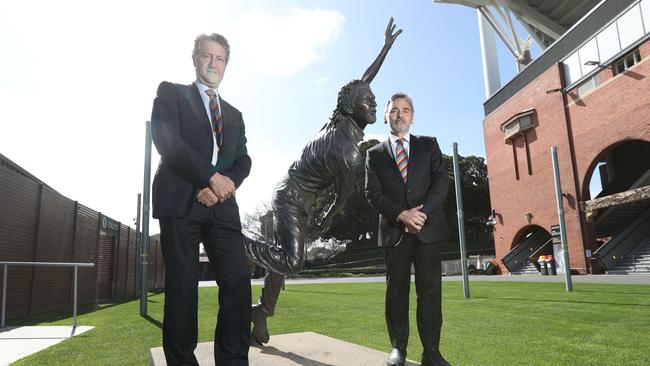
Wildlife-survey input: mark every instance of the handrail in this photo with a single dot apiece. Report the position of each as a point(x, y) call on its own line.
point(530, 242)
point(535, 253)
point(6, 265)
point(624, 242)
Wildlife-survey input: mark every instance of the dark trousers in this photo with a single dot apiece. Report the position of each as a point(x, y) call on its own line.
point(223, 242)
point(426, 259)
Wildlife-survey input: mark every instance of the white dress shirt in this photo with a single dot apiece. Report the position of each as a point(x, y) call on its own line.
point(393, 144)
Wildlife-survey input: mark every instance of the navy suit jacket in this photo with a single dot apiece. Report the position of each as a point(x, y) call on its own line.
point(182, 134)
point(427, 184)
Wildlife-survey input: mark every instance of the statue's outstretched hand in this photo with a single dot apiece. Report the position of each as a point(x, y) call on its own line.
point(372, 70)
point(390, 37)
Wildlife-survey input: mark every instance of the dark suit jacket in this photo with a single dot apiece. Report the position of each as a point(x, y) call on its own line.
point(183, 136)
point(427, 184)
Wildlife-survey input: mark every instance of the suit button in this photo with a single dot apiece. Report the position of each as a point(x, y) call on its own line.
point(408, 191)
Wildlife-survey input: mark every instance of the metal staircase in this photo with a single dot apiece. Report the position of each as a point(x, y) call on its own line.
point(637, 262)
point(529, 269)
point(631, 239)
point(518, 258)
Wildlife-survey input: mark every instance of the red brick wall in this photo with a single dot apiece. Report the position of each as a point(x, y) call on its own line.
point(535, 193)
point(618, 109)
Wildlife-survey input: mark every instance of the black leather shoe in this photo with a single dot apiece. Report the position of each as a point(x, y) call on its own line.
point(434, 360)
point(260, 332)
point(397, 357)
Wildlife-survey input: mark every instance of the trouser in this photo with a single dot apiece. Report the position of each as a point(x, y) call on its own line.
point(426, 259)
point(223, 242)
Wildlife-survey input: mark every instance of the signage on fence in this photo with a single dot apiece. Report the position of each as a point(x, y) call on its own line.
point(555, 234)
point(109, 225)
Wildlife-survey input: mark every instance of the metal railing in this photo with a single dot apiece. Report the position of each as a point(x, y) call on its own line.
point(76, 266)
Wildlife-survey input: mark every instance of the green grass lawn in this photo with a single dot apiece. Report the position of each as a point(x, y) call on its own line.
point(504, 323)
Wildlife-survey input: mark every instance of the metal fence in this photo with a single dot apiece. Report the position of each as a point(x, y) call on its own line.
point(38, 224)
point(75, 284)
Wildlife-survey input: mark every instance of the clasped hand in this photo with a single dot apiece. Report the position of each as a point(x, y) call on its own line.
point(412, 219)
point(220, 188)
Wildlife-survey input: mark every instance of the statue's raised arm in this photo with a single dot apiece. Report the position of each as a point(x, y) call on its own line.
point(370, 74)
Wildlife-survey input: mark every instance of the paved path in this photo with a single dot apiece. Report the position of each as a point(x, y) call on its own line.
point(19, 342)
point(295, 349)
point(613, 279)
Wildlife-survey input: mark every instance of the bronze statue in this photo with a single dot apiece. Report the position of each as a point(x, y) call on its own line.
point(331, 157)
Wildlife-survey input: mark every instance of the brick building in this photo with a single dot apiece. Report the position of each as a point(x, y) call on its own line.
point(588, 94)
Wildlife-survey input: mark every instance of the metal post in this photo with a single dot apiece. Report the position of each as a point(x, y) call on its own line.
point(4, 294)
point(74, 309)
point(144, 252)
point(560, 213)
point(138, 243)
point(461, 222)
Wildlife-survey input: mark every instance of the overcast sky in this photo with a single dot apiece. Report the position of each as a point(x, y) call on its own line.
point(77, 80)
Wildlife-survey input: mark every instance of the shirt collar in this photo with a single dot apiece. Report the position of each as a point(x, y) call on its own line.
point(393, 139)
point(202, 87)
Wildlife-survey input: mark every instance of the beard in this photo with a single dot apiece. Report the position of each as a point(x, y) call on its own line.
point(399, 128)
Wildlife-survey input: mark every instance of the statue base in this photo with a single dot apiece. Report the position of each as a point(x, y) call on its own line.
point(294, 349)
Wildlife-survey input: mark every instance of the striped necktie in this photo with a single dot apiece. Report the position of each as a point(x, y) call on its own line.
point(402, 159)
point(217, 124)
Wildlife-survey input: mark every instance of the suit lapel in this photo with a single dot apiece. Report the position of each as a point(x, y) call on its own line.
point(390, 161)
point(227, 120)
point(414, 157)
point(197, 106)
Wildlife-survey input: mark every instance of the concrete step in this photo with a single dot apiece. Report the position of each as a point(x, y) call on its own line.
point(294, 349)
point(638, 261)
point(634, 259)
point(629, 271)
point(528, 270)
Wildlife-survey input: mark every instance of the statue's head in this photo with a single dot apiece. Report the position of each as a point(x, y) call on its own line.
point(357, 101)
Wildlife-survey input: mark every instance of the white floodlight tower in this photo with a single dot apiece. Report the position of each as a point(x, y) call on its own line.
point(544, 21)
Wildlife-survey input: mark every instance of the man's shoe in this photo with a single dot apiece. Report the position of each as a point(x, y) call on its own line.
point(397, 357)
point(260, 332)
point(434, 360)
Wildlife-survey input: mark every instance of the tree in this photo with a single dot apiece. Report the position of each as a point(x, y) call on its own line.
point(256, 225)
point(476, 207)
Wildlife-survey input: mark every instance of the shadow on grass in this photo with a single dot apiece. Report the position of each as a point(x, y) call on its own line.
point(623, 292)
point(66, 313)
point(153, 321)
point(301, 360)
point(558, 301)
point(320, 292)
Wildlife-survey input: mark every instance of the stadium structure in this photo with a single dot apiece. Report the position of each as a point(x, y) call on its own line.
point(586, 93)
